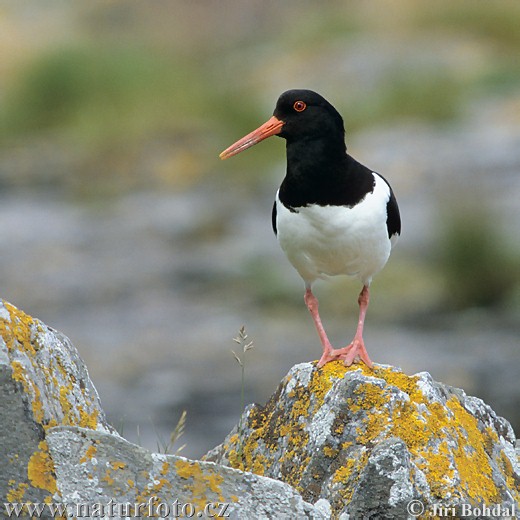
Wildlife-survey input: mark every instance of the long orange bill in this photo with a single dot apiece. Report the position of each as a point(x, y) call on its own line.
point(271, 127)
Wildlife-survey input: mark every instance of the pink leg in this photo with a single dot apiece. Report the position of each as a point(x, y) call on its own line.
point(357, 347)
point(329, 353)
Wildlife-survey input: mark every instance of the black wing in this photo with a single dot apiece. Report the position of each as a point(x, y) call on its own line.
point(273, 218)
point(393, 218)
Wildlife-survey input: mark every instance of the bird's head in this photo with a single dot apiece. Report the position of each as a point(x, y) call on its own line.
point(299, 115)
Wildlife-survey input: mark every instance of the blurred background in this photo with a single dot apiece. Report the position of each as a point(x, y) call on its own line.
point(120, 227)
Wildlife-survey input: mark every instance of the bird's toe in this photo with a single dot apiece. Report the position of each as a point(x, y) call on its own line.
point(356, 351)
point(332, 355)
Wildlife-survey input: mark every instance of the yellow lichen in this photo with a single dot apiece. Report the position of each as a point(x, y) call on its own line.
point(37, 405)
point(285, 429)
point(16, 492)
point(89, 453)
point(259, 464)
point(234, 460)
point(201, 481)
point(374, 398)
point(17, 333)
point(423, 426)
point(88, 420)
point(440, 463)
point(348, 473)
point(470, 457)
point(66, 405)
point(323, 379)
point(20, 333)
point(160, 483)
point(339, 429)
point(330, 452)
point(19, 374)
point(40, 469)
point(344, 472)
point(267, 427)
point(405, 383)
point(508, 472)
point(107, 477)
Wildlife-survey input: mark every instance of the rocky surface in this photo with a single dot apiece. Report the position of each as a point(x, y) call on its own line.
point(43, 383)
point(95, 467)
point(56, 446)
point(331, 443)
point(371, 441)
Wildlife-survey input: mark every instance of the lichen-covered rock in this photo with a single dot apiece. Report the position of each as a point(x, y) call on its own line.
point(340, 443)
point(370, 441)
point(43, 383)
point(97, 468)
point(57, 449)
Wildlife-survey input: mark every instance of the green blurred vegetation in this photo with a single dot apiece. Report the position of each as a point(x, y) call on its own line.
point(480, 268)
point(147, 98)
point(425, 96)
point(497, 23)
point(99, 93)
point(100, 89)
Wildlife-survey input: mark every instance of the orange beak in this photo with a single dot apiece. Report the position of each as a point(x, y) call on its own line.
point(271, 127)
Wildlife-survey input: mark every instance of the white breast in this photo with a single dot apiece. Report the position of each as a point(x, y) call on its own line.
point(332, 240)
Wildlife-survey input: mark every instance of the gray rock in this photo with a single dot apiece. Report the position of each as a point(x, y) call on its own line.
point(43, 383)
point(372, 441)
point(57, 448)
point(96, 467)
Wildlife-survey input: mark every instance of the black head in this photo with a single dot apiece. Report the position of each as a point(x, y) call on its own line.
point(307, 115)
point(299, 116)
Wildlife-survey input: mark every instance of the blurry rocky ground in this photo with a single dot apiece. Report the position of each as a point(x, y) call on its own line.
point(120, 227)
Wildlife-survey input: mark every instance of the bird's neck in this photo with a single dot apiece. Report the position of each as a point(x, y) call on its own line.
point(315, 161)
point(305, 157)
point(321, 172)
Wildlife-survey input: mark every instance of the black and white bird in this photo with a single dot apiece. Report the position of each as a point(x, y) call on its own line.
point(332, 215)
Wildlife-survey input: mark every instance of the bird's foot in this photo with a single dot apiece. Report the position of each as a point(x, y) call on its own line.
point(356, 350)
point(332, 354)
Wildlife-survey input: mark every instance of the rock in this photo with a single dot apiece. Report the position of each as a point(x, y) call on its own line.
point(335, 442)
point(56, 447)
point(95, 467)
point(43, 383)
point(372, 441)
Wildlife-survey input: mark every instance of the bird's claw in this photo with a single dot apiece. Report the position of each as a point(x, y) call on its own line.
point(349, 354)
point(356, 351)
point(332, 354)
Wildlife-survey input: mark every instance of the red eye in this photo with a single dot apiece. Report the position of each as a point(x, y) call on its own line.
point(299, 106)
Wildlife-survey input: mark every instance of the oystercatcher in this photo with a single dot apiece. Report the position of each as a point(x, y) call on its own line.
point(332, 215)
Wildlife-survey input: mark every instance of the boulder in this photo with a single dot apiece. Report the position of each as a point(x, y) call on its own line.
point(106, 471)
point(58, 453)
point(43, 383)
point(373, 441)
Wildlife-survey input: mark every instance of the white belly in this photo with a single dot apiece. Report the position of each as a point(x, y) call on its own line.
point(324, 241)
